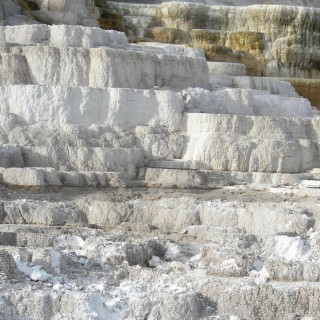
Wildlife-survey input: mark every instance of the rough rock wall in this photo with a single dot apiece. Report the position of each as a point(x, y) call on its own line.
point(270, 40)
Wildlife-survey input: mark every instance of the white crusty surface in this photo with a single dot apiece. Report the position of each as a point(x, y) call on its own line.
point(83, 56)
point(232, 69)
point(88, 106)
point(88, 67)
point(246, 102)
point(134, 185)
point(62, 36)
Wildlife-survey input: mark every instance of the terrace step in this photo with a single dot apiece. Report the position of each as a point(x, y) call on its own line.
point(203, 179)
point(49, 177)
point(175, 164)
point(310, 183)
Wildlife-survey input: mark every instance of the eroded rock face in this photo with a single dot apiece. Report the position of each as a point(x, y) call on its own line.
point(139, 181)
point(270, 40)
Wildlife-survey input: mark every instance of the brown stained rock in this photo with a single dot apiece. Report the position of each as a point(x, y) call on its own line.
point(308, 88)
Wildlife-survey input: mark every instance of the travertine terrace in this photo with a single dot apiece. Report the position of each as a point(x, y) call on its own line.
point(150, 180)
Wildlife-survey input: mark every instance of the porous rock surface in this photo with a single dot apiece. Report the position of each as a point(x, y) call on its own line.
point(139, 181)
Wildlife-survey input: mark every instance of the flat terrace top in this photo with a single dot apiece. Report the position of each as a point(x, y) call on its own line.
point(61, 194)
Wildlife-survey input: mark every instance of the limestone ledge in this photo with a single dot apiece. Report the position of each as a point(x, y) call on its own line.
point(122, 129)
point(153, 108)
point(65, 158)
point(246, 102)
point(41, 177)
point(93, 106)
point(87, 67)
point(272, 85)
point(161, 177)
point(61, 36)
point(232, 69)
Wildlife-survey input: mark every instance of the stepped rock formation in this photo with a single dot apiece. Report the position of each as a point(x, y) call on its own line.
point(272, 39)
point(142, 181)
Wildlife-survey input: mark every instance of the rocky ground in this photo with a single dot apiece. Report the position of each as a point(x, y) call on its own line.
point(232, 253)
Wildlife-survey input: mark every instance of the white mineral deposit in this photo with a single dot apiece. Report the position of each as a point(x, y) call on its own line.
point(159, 160)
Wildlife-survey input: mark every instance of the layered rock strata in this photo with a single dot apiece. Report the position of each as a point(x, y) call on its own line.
point(270, 40)
point(142, 182)
point(108, 105)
